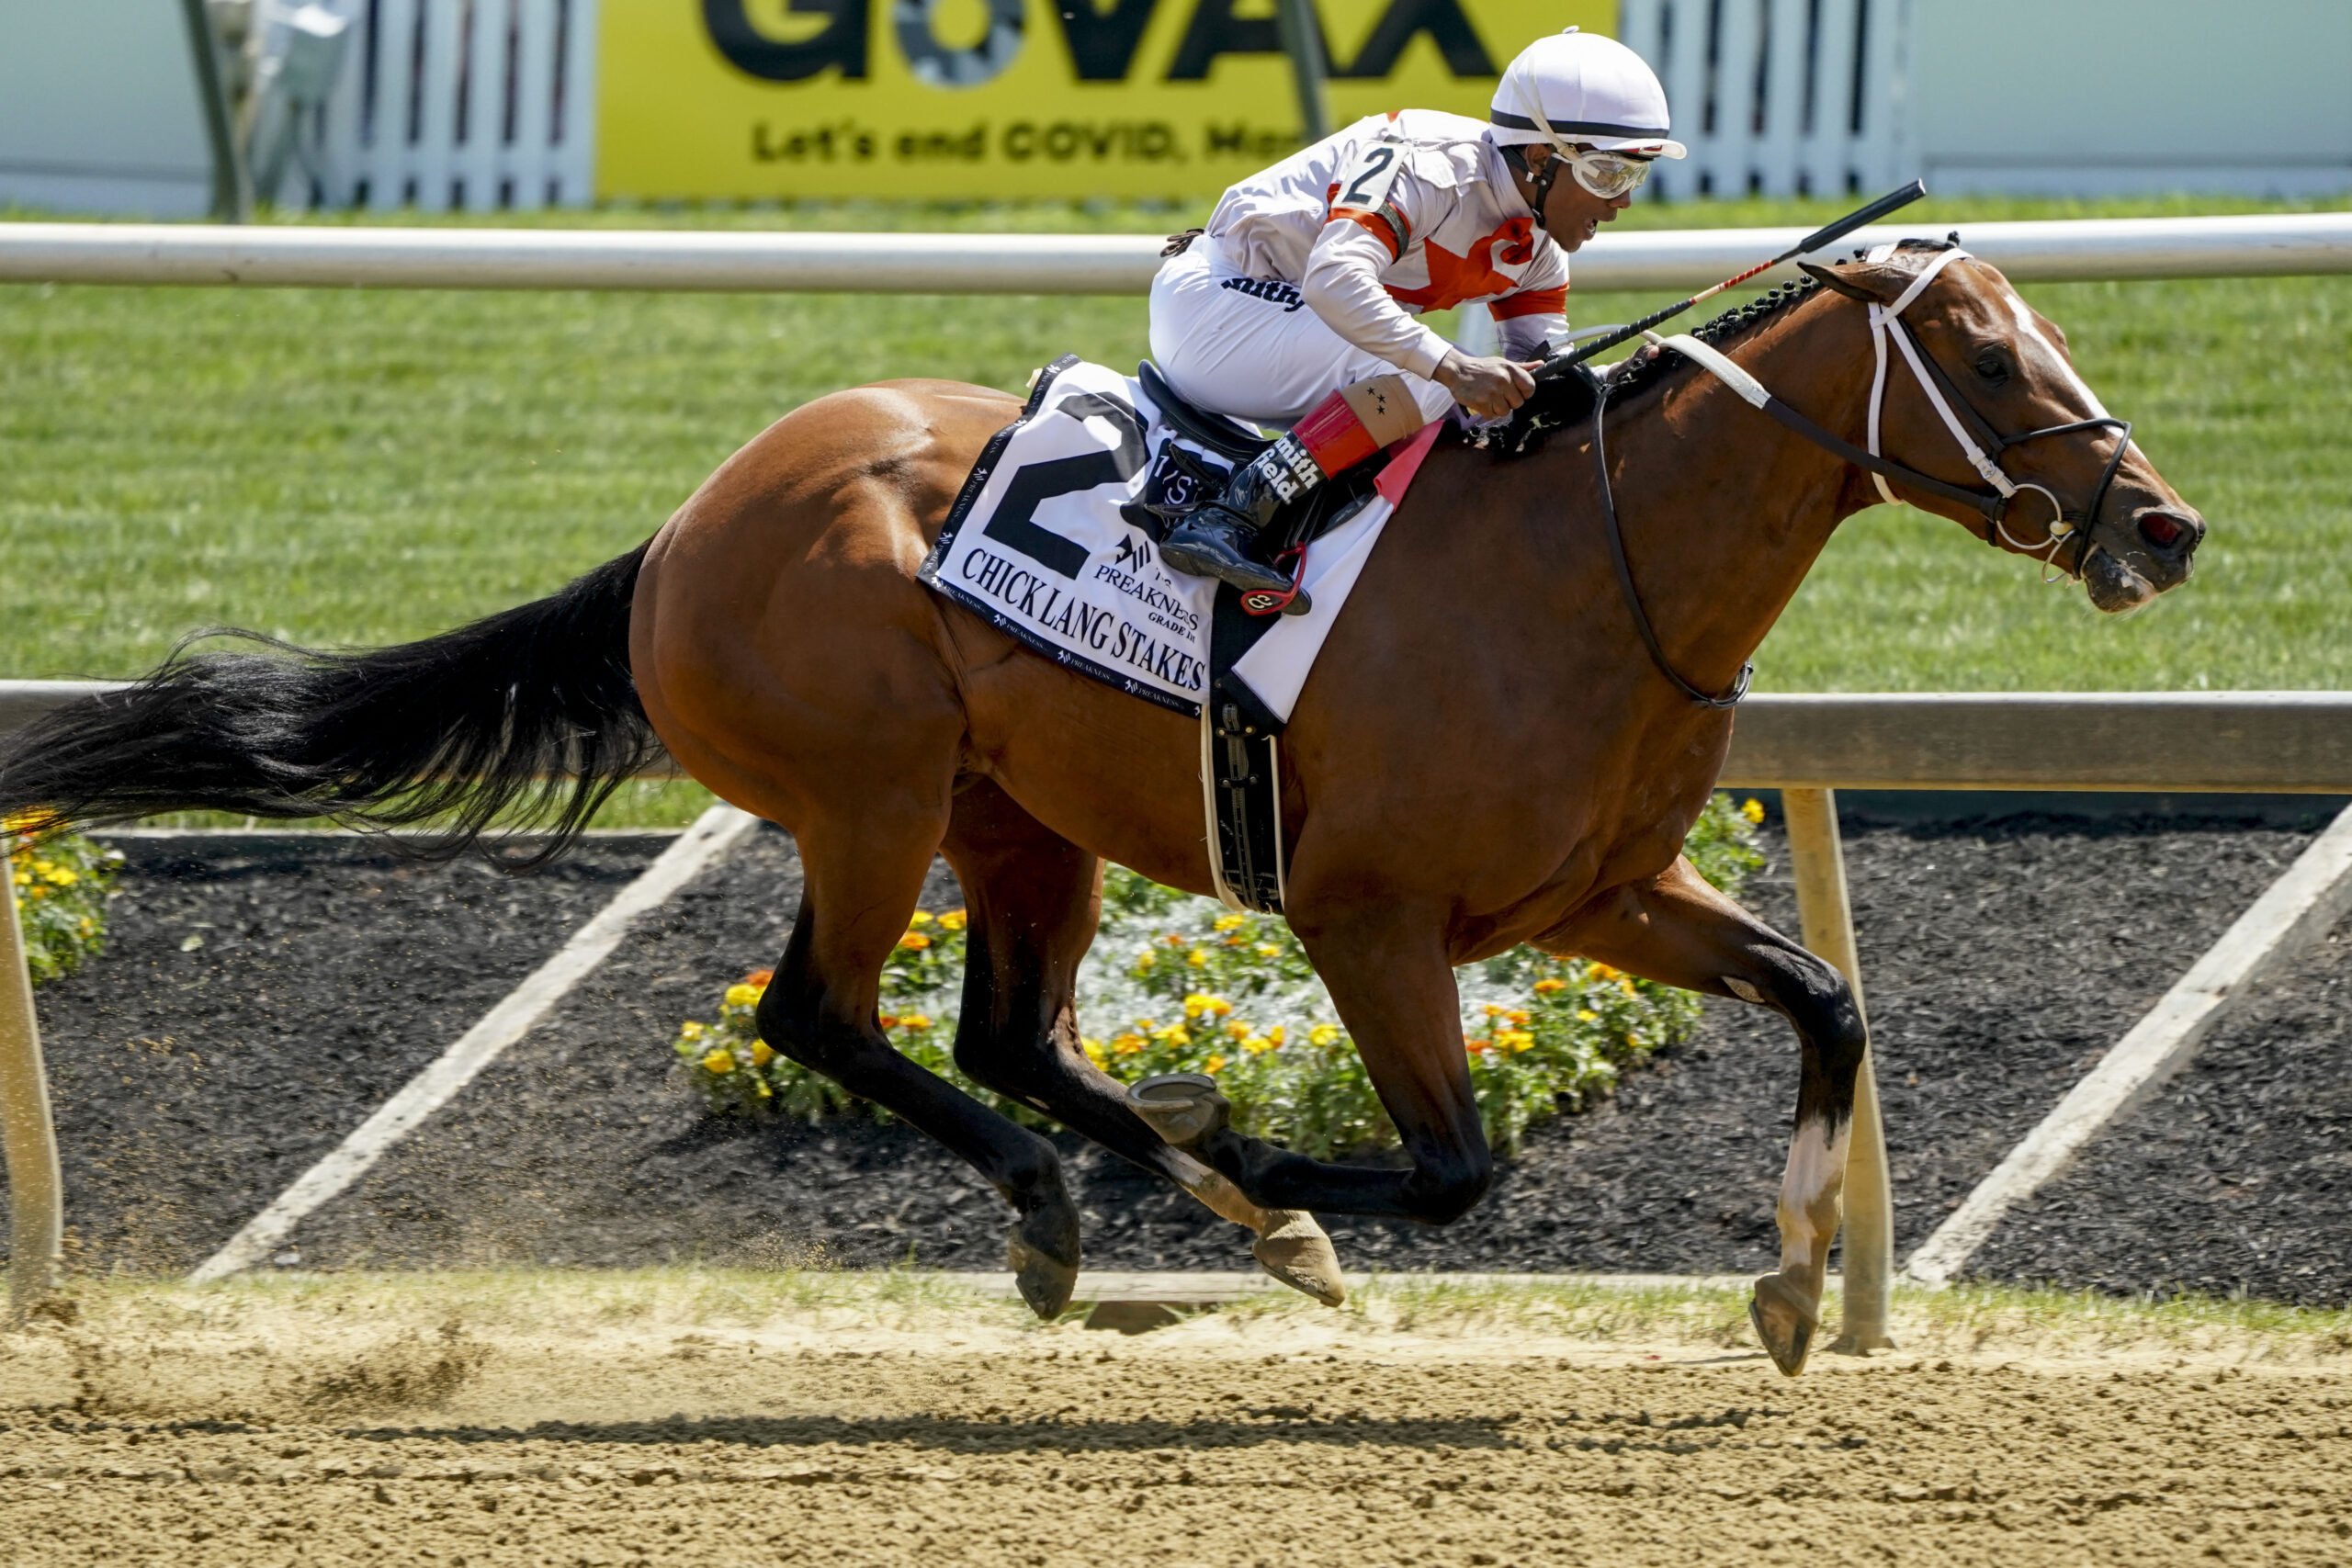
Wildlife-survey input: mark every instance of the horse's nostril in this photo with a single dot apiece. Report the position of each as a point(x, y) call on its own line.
point(2161, 529)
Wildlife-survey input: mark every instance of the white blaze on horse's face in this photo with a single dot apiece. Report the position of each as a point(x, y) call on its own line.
point(2054, 363)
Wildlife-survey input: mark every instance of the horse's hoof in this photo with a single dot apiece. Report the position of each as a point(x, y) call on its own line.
point(1043, 1254)
point(1784, 1321)
point(1182, 1108)
point(1293, 1249)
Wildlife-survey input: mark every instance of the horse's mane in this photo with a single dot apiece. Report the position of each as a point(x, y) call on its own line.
point(1564, 401)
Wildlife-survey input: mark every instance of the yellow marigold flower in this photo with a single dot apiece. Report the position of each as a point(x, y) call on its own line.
point(1268, 950)
point(914, 940)
point(953, 921)
point(1213, 1064)
point(1256, 1044)
point(23, 824)
point(1518, 1017)
point(742, 996)
point(914, 1020)
point(1275, 1036)
point(1514, 1039)
point(24, 876)
point(1752, 810)
point(1094, 1049)
point(1128, 1044)
point(1586, 1015)
point(721, 1060)
point(1197, 958)
point(1145, 959)
point(765, 1092)
point(1237, 1030)
point(1323, 1035)
point(920, 918)
point(1545, 987)
point(1625, 984)
point(691, 1030)
point(1231, 922)
point(761, 1053)
point(1174, 1035)
point(1492, 1009)
point(63, 876)
point(1196, 1003)
point(1604, 972)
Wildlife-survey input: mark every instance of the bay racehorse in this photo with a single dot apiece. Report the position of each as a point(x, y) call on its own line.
point(1487, 753)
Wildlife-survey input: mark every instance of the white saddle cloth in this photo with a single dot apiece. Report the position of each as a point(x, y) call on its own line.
point(1045, 543)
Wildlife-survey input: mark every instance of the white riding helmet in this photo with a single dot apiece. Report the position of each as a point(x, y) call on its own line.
point(1581, 88)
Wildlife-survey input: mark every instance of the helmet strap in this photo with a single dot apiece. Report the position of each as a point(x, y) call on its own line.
point(1516, 157)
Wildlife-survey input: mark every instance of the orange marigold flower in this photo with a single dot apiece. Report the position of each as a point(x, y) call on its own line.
point(1545, 987)
point(915, 940)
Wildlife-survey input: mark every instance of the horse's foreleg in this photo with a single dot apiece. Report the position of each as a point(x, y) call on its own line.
point(820, 1009)
point(1679, 931)
point(1386, 970)
point(1032, 901)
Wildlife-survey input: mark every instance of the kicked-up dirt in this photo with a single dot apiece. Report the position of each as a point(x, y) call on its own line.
point(563, 1424)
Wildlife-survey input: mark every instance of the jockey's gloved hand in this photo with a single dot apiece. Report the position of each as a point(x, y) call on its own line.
point(1489, 387)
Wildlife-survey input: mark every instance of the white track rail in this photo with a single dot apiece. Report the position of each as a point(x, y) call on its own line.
point(773, 261)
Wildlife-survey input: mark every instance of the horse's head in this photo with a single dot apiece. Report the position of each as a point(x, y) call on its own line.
point(1994, 374)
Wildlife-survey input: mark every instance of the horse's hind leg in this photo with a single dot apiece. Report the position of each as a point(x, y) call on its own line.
point(1032, 898)
point(1678, 930)
point(862, 881)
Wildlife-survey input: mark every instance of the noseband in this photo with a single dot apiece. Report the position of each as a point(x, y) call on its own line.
point(1978, 441)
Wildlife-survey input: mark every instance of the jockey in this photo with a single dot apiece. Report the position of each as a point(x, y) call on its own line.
point(1310, 273)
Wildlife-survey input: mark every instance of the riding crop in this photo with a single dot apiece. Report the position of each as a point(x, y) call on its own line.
point(1558, 364)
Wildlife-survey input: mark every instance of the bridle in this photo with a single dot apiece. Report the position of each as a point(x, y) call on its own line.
point(1979, 443)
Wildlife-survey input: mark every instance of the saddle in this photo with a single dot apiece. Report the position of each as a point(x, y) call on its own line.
point(1183, 480)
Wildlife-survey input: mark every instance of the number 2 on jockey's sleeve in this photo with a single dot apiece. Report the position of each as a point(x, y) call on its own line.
point(1364, 179)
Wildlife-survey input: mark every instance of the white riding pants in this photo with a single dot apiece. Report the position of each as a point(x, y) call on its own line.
point(1251, 348)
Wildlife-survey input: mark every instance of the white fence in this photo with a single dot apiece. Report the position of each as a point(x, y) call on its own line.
point(465, 105)
point(1780, 98)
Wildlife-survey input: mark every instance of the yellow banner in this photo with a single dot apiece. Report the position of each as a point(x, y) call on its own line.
point(778, 98)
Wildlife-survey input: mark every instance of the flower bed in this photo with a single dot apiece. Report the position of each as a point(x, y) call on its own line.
point(59, 884)
point(1192, 987)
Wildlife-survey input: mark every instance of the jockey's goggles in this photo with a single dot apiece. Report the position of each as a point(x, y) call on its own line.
point(1608, 175)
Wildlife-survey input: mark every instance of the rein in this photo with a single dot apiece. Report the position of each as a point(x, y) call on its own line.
point(1978, 442)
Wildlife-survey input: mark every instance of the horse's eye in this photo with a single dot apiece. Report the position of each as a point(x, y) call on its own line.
point(1993, 366)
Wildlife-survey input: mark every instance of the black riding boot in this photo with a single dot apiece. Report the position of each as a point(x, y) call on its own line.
point(1217, 539)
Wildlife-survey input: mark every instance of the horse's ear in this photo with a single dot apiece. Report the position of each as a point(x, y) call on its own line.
point(1830, 279)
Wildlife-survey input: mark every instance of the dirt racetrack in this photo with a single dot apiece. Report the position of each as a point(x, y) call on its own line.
point(722, 1420)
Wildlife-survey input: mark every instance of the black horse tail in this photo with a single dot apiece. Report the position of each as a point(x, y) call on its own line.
point(526, 721)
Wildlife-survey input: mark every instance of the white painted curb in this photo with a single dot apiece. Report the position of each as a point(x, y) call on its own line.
point(2296, 911)
point(716, 831)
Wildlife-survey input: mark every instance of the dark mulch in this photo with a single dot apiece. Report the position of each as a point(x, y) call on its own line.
point(2000, 958)
point(192, 1083)
point(2237, 1177)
